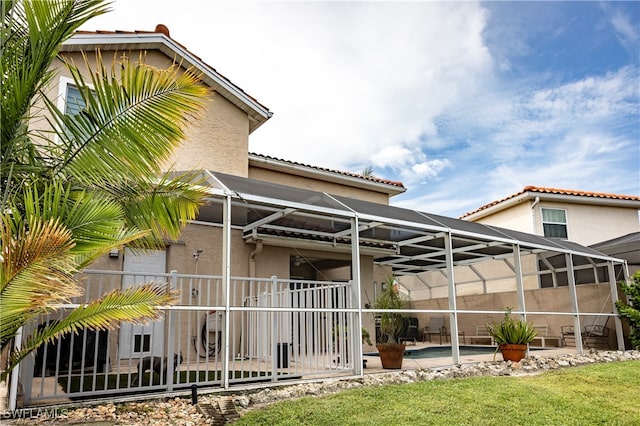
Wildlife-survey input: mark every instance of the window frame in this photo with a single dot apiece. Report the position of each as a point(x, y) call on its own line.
point(547, 222)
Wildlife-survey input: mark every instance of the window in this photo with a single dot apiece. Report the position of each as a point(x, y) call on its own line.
point(73, 101)
point(554, 223)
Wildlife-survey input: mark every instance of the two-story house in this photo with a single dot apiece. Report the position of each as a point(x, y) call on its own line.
point(607, 222)
point(281, 267)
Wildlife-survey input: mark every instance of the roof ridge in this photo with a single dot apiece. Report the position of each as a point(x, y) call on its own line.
point(341, 172)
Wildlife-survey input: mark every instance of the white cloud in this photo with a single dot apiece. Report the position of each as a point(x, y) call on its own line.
point(412, 90)
point(424, 170)
point(626, 32)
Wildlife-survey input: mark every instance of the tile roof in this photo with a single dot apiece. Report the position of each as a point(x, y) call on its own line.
point(555, 191)
point(162, 29)
point(339, 172)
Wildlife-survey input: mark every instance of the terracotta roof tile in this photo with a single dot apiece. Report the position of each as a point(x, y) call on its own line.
point(556, 191)
point(340, 172)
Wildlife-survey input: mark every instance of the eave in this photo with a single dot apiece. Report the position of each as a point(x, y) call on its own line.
point(257, 113)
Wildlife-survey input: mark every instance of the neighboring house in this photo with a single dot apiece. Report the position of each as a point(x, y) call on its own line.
point(626, 247)
point(609, 223)
point(581, 216)
point(294, 254)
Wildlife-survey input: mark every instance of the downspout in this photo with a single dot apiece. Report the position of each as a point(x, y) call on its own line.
point(252, 259)
point(533, 215)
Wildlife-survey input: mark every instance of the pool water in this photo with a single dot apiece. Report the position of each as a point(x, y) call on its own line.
point(445, 351)
point(442, 351)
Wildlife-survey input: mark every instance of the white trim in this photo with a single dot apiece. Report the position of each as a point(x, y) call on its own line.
point(566, 221)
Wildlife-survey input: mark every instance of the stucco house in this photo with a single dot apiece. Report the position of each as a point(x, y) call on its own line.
point(278, 273)
point(607, 222)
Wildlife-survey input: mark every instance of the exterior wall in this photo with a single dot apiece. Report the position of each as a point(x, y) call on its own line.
point(217, 140)
point(518, 218)
point(589, 224)
point(586, 223)
point(317, 185)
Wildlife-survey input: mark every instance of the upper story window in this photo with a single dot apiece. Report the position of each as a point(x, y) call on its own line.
point(73, 102)
point(554, 223)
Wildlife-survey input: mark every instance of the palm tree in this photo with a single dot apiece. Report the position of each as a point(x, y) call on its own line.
point(367, 172)
point(89, 183)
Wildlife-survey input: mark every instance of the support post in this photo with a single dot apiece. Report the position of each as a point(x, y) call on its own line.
point(274, 329)
point(453, 316)
point(355, 340)
point(517, 260)
point(226, 283)
point(15, 375)
point(614, 299)
point(573, 295)
point(171, 367)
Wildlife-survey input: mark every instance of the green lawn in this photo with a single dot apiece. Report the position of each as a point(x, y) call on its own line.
point(602, 394)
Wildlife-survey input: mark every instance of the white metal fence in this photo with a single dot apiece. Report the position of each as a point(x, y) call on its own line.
point(270, 330)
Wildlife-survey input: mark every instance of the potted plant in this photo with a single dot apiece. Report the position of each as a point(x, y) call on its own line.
point(512, 336)
point(390, 326)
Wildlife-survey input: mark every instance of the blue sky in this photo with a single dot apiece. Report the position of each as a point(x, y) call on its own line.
point(464, 102)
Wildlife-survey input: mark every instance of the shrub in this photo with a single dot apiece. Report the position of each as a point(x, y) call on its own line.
point(631, 310)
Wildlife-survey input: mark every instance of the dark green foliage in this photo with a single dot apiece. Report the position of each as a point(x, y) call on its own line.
point(631, 311)
point(511, 331)
point(391, 323)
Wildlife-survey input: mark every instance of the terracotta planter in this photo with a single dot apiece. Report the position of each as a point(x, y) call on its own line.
point(391, 355)
point(513, 352)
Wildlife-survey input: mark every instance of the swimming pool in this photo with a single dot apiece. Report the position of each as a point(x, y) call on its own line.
point(445, 351)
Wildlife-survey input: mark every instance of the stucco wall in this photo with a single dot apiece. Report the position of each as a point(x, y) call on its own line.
point(216, 140)
point(586, 223)
point(518, 218)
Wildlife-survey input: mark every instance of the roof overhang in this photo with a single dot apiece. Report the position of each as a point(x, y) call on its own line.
point(257, 113)
point(531, 196)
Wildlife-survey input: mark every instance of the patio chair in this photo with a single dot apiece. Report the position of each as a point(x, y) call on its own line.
point(436, 327)
point(594, 331)
point(409, 330)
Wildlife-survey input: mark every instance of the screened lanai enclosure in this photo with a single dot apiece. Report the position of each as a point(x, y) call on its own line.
point(259, 322)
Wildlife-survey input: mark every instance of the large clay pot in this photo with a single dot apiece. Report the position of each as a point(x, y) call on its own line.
point(513, 352)
point(391, 355)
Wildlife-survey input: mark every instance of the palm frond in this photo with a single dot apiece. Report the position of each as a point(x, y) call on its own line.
point(37, 270)
point(134, 118)
point(32, 33)
point(162, 205)
point(137, 304)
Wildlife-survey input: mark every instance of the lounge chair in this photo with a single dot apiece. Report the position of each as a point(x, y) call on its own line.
point(594, 331)
point(435, 328)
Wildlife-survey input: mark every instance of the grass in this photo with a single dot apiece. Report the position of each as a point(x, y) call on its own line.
point(602, 394)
